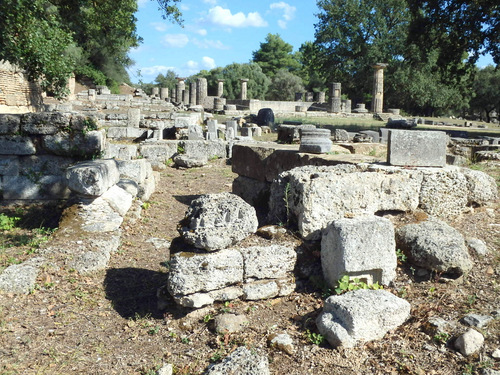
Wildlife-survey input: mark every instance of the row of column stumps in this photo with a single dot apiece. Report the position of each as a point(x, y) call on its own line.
point(198, 91)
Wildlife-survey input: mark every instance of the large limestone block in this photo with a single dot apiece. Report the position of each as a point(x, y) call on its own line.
point(21, 278)
point(361, 316)
point(98, 216)
point(183, 121)
point(417, 148)
point(269, 262)
point(362, 247)
point(159, 152)
point(16, 145)
point(92, 177)
point(481, 187)
point(119, 199)
point(35, 187)
point(435, 246)
point(9, 166)
point(191, 273)
point(242, 361)
point(9, 124)
point(82, 145)
point(42, 165)
point(204, 149)
point(216, 221)
point(137, 170)
point(313, 197)
point(45, 123)
point(120, 151)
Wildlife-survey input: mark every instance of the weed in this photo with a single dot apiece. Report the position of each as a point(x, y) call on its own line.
point(154, 330)
point(169, 162)
point(216, 357)
point(7, 222)
point(346, 284)
point(145, 205)
point(471, 299)
point(441, 338)
point(373, 153)
point(286, 199)
point(186, 340)
point(180, 149)
point(401, 256)
point(314, 338)
point(207, 318)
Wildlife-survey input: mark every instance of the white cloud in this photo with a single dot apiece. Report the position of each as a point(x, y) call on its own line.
point(175, 40)
point(205, 43)
point(184, 7)
point(142, 3)
point(159, 26)
point(208, 63)
point(224, 17)
point(211, 2)
point(155, 70)
point(288, 12)
point(201, 32)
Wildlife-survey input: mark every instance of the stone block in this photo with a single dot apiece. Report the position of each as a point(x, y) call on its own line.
point(373, 134)
point(35, 188)
point(147, 188)
point(186, 121)
point(254, 192)
point(128, 132)
point(268, 262)
point(134, 117)
point(98, 216)
point(79, 145)
point(261, 289)
point(92, 178)
point(241, 361)
point(42, 165)
point(137, 170)
point(45, 123)
point(119, 199)
point(361, 316)
point(120, 151)
point(204, 149)
point(158, 152)
point(9, 166)
point(16, 145)
point(417, 148)
point(9, 124)
point(191, 273)
point(361, 247)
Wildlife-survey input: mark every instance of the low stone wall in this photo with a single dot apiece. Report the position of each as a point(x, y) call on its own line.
point(17, 94)
point(36, 149)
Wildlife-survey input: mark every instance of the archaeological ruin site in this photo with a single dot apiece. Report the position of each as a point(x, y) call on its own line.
point(197, 234)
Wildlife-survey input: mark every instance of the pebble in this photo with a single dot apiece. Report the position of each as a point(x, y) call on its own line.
point(230, 323)
point(496, 353)
point(469, 343)
point(282, 342)
point(476, 320)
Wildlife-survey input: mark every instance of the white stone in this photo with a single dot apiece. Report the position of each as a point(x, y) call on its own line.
point(361, 316)
point(262, 289)
point(119, 199)
point(92, 177)
point(241, 361)
point(268, 262)
point(361, 247)
point(470, 342)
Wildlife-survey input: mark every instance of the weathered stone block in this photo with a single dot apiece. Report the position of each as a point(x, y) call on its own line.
point(77, 145)
point(119, 199)
point(362, 247)
point(268, 262)
point(92, 177)
point(9, 166)
point(9, 124)
point(120, 151)
point(137, 170)
point(192, 273)
point(128, 132)
point(158, 152)
point(35, 187)
point(261, 289)
point(45, 123)
point(42, 165)
point(16, 145)
point(417, 148)
point(204, 149)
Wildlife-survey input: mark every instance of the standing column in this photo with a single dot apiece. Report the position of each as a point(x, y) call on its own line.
point(201, 91)
point(335, 99)
point(378, 88)
point(179, 88)
point(192, 93)
point(156, 92)
point(220, 87)
point(243, 95)
point(163, 93)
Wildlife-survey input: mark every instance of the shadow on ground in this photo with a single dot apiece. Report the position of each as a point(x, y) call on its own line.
point(132, 291)
point(186, 199)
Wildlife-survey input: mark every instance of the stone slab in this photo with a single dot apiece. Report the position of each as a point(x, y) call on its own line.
point(417, 148)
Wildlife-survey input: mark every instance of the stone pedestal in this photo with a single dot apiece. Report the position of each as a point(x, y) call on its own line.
point(378, 88)
point(219, 104)
point(134, 117)
point(335, 100)
point(243, 94)
point(360, 108)
point(220, 87)
point(321, 97)
point(298, 96)
point(92, 95)
point(155, 92)
point(315, 141)
point(346, 106)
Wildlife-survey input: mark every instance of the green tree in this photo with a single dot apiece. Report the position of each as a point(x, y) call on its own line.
point(459, 29)
point(284, 86)
point(352, 35)
point(168, 80)
point(311, 73)
point(275, 54)
point(51, 38)
point(486, 89)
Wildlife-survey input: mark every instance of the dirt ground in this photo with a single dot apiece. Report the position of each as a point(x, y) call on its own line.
point(109, 322)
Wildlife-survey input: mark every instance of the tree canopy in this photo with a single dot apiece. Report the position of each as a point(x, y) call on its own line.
point(275, 54)
point(52, 38)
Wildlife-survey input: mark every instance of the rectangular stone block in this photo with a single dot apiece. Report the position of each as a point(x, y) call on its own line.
point(137, 170)
point(42, 188)
point(128, 132)
point(120, 151)
point(417, 148)
point(16, 145)
point(9, 165)
point(9, 124)
point(41, 165)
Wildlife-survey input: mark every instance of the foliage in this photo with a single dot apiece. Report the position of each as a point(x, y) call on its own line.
point(314, 338)
point(8, 222)
point(486, 88)
point(284, 86)
point(311, 73)
point(346, 284)
point(274, 55)
point(168, 80)
point(458, 29)
point(232, 74)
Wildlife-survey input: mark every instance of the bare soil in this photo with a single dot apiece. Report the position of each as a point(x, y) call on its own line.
point(109, 322)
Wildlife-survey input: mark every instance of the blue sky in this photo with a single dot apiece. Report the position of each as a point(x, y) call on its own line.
point(218, 33)
point(215, 33)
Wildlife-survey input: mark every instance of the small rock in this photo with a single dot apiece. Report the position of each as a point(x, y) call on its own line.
point(470, 342)
point(476, 320)
point(281, 342)
point(241, 361)
point(271, 231)
point(167, 369)
point(489, 371)
point(159, 243)
point(230, 323)
point(478, 246)
point(496, 354)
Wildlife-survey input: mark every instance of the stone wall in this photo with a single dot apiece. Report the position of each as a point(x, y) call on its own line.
point(17, 95)
point(36, 149)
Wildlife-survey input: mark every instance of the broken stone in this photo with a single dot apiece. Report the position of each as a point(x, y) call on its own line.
point(92, 178)
point(470, 342)
point(241, 361)
point(230, 323)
